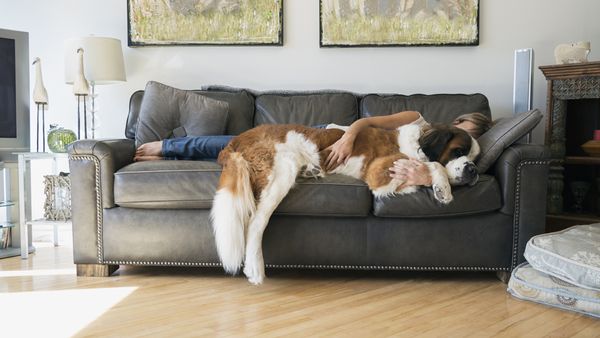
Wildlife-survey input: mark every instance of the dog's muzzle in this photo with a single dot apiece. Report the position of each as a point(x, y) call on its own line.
point(470, 174)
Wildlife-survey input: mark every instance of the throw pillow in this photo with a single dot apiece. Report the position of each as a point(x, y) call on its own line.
point(503, 134)
point(167, 112)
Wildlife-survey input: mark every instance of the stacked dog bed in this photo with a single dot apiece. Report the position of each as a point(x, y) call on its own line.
point(562, 270)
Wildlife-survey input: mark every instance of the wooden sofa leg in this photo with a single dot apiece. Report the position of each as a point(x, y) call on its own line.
point(504, 276)
point(96, 270)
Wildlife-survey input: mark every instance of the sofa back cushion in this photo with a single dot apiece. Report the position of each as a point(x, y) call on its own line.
point(168, 112)
point(240, 116)
point(308, 109)
point(503, 134)
point(437, 108)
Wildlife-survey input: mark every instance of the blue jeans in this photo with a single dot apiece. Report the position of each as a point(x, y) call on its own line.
point(195, 148)
point(198, 147)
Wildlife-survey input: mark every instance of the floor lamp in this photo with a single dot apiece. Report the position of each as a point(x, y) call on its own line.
point(104, 64)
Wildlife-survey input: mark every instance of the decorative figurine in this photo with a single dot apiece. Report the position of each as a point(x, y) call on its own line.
point(81, 89)
point(40, 97)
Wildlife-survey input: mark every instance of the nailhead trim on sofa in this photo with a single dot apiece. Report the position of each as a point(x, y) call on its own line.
point(98, 199)
point(317, 266)
point(518, 208)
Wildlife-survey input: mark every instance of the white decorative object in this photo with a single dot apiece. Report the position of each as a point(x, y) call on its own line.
point(80, 84)
point(40, 97)
point(81, 89)
point(103, 62)
point(40, 94)
point(572, 52)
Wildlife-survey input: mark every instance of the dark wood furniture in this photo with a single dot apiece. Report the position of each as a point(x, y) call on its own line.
point(573, 114)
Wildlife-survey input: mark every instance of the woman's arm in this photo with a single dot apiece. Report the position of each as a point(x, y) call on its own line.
point(342, 149)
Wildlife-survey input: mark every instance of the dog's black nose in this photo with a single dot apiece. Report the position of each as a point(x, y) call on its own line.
point(470, 170)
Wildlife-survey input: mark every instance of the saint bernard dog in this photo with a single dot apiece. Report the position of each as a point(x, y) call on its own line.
point(261, 165)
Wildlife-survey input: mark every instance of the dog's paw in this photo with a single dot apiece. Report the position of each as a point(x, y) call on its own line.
point(442, 193)
point(254, 269)
point(311, 171)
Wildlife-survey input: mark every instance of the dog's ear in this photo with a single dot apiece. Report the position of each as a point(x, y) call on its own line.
point(434, 141)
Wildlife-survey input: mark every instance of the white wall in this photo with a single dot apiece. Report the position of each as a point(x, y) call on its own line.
point(505, 25)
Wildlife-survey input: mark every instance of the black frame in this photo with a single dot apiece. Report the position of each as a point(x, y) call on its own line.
point(321, 45)
point(131, 43)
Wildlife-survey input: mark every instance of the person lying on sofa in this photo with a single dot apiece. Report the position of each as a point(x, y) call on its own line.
point(411, 171)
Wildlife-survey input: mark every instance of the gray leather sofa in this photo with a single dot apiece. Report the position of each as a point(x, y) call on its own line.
point(157, 213)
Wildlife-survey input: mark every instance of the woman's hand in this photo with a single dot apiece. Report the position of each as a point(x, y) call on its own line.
point(411, 172)
point(340, 151)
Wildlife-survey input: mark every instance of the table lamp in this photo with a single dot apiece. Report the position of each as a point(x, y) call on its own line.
point(104, 64)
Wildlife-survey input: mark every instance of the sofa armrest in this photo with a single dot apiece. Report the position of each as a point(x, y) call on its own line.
point(92, 164)
point(522, 172)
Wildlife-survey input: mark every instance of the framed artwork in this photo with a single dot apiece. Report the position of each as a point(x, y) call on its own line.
point(204, 22)
point(383, 23)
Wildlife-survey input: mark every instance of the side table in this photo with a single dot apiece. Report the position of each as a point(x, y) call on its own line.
point(25, 218)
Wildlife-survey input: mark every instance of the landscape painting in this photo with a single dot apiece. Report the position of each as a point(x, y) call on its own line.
point(374, 23)
point(205, 22)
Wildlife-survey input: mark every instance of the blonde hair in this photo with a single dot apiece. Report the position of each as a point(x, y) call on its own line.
point(482, 123)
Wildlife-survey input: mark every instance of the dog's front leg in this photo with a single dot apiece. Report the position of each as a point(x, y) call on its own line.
point(442, 191)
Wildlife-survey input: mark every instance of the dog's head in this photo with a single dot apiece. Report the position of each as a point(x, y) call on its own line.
point(455, 149)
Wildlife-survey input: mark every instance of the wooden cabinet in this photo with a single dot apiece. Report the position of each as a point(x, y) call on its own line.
point(573, 115)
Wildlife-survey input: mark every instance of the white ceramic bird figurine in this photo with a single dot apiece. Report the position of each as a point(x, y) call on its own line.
point(80, 84)
point(40, 95)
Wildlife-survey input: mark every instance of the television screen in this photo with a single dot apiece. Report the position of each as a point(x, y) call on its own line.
point(8, 107)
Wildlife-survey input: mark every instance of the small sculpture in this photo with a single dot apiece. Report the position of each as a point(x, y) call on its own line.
point(40, 97)
point(81, 89)
point(572, 52)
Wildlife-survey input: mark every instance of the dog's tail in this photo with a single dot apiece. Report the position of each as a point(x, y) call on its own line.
point(232, 209)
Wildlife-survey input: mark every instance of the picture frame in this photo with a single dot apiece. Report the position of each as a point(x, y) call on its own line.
point(204, 23)
point(398, 23)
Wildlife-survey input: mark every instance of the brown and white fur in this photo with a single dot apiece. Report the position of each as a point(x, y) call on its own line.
point(261, 165)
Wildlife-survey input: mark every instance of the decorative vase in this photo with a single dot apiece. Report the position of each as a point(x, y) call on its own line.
point(59, 138)
point(592, 147)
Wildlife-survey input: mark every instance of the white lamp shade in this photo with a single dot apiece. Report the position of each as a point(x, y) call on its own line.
point(102, 59)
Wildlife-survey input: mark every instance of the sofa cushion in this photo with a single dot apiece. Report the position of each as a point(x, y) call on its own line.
point(167, 184)
point(482, 197)
point(306, 109)
point(334, 195)
point(192, 185)
point(239, 119)
point(503, 134)
point(437, 108)
point(170, 112)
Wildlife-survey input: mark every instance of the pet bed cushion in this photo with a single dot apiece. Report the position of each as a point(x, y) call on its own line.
point(572, 255)
point(168, 112)
point(503, 134)
point(530, 284)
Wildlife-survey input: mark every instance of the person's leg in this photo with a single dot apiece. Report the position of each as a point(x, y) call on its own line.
point(184, 148)
point(195, 148)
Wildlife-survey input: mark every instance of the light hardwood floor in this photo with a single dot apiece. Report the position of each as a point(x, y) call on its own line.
point(43, 295)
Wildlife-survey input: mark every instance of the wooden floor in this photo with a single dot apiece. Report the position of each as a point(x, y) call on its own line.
point(43, 296)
